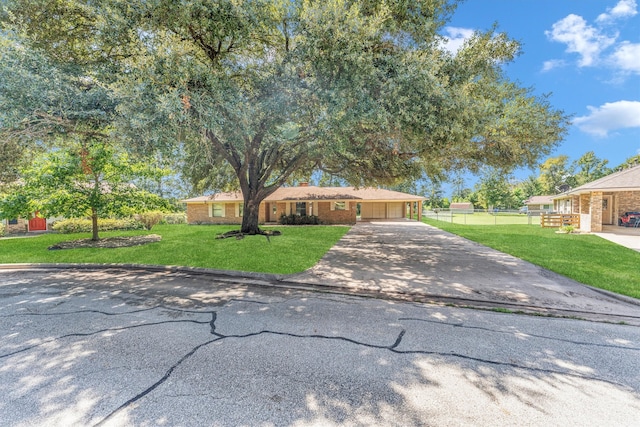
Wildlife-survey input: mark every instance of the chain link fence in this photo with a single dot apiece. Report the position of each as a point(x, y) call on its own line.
point(482, 217)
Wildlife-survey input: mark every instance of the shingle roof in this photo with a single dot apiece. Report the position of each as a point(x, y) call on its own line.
point(539, 200)
point(626, 179)
point(315, 193)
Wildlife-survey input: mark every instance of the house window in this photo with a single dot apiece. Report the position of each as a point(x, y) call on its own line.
point(217, 210)
point(301, 208)
point(340, 206)
point(239, 209)
point(13, 221)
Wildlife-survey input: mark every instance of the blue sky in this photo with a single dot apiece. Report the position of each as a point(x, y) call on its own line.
point(586, 53)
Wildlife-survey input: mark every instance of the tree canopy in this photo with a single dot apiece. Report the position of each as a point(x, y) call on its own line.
point(259, 93)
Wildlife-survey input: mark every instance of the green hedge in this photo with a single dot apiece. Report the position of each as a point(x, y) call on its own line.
point(83, 225)
point(294, 219)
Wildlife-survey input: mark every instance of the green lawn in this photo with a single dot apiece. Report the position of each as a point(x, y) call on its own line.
point(586, 258)
point(297, 249)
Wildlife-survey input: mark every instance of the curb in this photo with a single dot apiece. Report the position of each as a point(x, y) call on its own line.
point(284, 282)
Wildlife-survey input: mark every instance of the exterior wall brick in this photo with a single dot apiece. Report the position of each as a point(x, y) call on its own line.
point(628, 201)
point(198, 213)
point(327, 216)
point(596, 211)
point(20, 227)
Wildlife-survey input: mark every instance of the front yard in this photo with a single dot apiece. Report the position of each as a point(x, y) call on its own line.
point(297, 249)
point(587, 259)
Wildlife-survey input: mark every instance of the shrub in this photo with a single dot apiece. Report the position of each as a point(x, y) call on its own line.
point(149, 219)
point(83, 225)
point(174, 218)
point(294, 219)
point(567, 229)
point(2, 229)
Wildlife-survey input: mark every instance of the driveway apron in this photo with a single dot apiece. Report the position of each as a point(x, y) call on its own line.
point(409, 257)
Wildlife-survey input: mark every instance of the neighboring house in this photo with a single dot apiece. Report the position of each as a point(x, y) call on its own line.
point(20, 225)
point(604, 200)
point(461, 207)
point(539, 204)
point(332, 205)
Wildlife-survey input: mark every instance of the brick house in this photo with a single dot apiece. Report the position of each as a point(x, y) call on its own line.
point(602, 201)
point(332, 205)
point(539, 204)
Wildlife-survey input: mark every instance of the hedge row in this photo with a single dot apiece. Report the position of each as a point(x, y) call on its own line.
point(83, 225)
point(294, 219)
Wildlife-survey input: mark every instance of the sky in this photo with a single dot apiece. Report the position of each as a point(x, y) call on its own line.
point(585, 53)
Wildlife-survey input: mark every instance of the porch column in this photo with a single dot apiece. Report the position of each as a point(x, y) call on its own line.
point(596, 211)
point(410, 210)
point(419, 210)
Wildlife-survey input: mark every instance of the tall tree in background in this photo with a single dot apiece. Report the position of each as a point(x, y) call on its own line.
point(589, 168)
point(262, 92)
point(554, 173)
point(628, 163)
point(494, 189)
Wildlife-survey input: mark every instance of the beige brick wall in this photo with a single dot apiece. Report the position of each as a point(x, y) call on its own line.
point(596, 211)
point(198, 213)
point(20, 227)
point(628, 201)
point(327, 216)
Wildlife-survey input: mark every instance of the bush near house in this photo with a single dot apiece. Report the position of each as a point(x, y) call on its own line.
point(83, 225)
point(174, 218)
point(149, 219)
point(294, 219)
point(2, 229)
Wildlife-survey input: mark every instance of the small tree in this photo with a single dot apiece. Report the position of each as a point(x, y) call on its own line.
point(92, 181)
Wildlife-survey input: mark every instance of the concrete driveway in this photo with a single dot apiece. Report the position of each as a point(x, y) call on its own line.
point(412, 258)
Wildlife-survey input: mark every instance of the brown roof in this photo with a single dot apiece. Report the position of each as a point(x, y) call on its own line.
point(624, 180)
point(539, 200)
point(315, 193)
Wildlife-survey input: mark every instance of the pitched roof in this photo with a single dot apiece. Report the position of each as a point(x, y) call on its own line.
point(315, 193)
point(539, 200)
point(626, 179)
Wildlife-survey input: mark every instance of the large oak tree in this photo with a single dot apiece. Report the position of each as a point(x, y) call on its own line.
point(272, 89)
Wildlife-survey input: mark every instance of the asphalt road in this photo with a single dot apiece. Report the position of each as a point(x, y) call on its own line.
point(119, 347)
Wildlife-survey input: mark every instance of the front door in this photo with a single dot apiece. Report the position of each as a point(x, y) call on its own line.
point(606, 210)
point(37, 223)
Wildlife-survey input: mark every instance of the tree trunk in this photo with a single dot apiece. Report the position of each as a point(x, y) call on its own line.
point(250, 216)
point(94, 225)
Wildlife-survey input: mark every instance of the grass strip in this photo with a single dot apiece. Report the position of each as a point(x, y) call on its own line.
point(297, 249)
point(586, 258)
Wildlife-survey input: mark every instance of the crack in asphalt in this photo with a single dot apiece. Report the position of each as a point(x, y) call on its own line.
point(460, 325)
point(392, 348)
point(122, 328)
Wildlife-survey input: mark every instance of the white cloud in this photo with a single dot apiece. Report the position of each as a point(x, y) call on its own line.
point(624, 9)
point(552, 64)
point(456, 37)
point(580, 38)
point(610, 117)
point(627, 57)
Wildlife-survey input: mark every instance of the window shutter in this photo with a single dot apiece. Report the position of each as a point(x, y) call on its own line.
point(333, 206)
point(210, 210)
point(237, 206)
